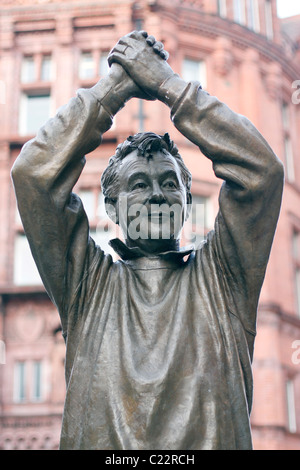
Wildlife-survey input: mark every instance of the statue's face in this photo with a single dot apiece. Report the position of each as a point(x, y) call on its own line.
point(152, 202)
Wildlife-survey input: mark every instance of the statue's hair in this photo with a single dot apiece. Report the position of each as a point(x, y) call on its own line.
point(145, 143)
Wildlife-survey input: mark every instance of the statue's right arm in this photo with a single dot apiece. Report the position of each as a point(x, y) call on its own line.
point(43, 176)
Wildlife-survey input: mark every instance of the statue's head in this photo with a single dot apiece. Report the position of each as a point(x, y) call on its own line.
point(146, 189)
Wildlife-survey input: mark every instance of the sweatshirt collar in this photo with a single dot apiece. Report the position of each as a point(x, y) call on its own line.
point(127, 253)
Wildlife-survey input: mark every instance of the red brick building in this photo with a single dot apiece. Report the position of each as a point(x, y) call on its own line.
point(243, 54)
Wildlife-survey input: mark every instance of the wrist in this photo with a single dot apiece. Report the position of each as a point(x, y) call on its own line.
point(171, 89)
point(112, 94)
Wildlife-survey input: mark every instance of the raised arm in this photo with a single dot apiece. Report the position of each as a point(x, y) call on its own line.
point(250, 197)
point(46, 171)
point(249, 200)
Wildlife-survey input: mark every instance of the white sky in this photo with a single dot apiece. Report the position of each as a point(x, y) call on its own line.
point(288, 8)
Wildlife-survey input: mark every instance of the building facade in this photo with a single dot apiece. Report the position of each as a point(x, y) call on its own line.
point(243, 54)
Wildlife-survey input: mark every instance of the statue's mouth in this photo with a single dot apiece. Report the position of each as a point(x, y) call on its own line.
point(160, 216)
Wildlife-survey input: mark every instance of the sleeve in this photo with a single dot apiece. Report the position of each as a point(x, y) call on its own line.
point(43, 175)
point(250, 197)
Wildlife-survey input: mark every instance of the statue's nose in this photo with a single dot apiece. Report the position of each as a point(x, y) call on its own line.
point(157, 196)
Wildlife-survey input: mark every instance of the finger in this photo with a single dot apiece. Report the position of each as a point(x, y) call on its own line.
point(121, 41)
point(158, 46)
point(138, 34)
point(133, 35)
point(121, 48)
point(123, 44)
point(150, 40)
point(164, 55)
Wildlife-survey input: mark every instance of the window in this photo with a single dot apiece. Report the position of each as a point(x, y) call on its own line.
point(88, 200)
point(253, 15)
point(93, 64)
point(93, 203)
point(296, 260)
point(25, 270)
point(269, 19)
point(35, 99)
point(28, 381)
point(103, 64)
point(19, 382)
point(28, 73)
point(101, 227)
point(289, 159)
point(296, 245)
point(287, 144)
point(46, 68)
point(18, 220)
point(291, 409)
point(102, 235)
point(222, 8)
point(200, 220)
point(101, 212)
point(34, 112)
point(37, 381)
point(105, 229)
point(297, 287)
point(239, 12)
point(285, 116)
point(86, 66)
point(194, 70)
point(36, 68)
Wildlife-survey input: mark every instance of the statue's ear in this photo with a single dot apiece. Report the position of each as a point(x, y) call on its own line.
point(189, 201)
point(111, 209)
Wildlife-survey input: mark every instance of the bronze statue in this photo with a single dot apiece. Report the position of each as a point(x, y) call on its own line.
point(158, 344)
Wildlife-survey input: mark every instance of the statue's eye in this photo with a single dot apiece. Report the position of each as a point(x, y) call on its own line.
point(139, 185)
point(170, 184)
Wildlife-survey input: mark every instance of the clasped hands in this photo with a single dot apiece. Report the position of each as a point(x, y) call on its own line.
point(141, 62)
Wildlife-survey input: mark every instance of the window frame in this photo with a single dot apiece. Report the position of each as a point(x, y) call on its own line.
point(37, 381)
point(239, 12)
point(19, 386)
point(222, 8)
point(253, 20)
point(269, 20)
point(288, 152)
point(291, 406)
point(201, 75)
point(38, 59)
point(25, 383)
point(19, 245)
point(295, 244)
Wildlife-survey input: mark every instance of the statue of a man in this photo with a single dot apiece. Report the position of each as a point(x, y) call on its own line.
point(158, 344)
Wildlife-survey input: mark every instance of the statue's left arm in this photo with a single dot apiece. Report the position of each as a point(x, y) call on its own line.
point(250, 197)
